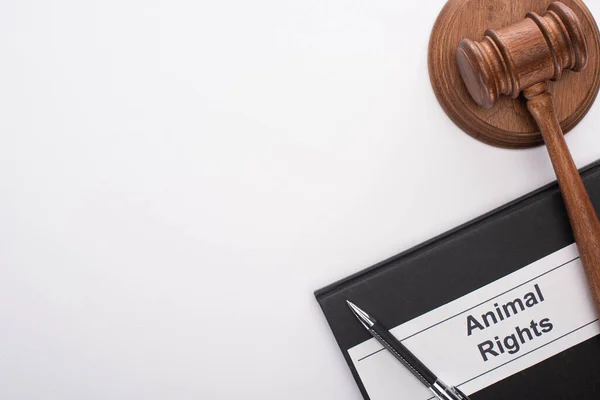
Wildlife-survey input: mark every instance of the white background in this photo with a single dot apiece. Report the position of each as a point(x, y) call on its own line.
point(178, 177)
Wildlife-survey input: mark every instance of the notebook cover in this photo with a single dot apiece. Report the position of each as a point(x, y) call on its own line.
point(461, 261)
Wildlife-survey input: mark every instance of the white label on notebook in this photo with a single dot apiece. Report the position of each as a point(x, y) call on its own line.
point(489, 334)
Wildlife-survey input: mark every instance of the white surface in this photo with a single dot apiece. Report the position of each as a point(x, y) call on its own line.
point(548, 291)
point(178, 177)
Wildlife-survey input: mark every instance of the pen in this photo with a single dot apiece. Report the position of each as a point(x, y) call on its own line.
point(398, 350)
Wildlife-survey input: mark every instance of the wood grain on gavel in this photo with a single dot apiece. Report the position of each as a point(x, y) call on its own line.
point(522, 58)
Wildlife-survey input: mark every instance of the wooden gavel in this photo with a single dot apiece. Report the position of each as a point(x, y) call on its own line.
point(522, 58)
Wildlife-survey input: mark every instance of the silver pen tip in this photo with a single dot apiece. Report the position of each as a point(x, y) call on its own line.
point(362, 316)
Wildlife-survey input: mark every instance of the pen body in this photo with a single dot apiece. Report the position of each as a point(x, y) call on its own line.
point(403, 355)
point(418, 369)
point(398, 350)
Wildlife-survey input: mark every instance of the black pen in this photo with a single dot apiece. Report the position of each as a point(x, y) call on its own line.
point(428, 378)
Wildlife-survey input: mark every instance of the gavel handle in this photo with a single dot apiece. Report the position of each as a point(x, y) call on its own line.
point(584, 220)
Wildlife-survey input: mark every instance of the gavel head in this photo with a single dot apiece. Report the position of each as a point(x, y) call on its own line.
point(514, 58)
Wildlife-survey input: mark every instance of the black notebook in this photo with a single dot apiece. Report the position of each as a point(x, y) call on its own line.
point(498, 307)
